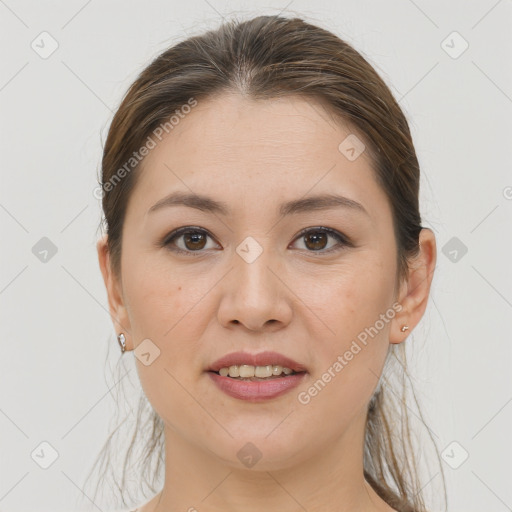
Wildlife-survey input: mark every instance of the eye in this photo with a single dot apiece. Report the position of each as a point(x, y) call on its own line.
point(194, 240)
point(316, 239)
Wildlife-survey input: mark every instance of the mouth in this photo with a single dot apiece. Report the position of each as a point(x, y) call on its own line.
point(265, 365)
point(250, 373)
point(256, 377)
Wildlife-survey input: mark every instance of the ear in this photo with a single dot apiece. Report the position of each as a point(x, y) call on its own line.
point(415, 289)
point(116, 304)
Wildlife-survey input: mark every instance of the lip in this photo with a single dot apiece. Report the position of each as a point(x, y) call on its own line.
point(256, 391)
point(260, 359)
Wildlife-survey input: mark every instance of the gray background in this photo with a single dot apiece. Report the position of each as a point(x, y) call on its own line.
point(56, 330)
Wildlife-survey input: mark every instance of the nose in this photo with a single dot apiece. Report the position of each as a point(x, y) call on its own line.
point(255, 295)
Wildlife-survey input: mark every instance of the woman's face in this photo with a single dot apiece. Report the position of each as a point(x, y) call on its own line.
point(249, 281)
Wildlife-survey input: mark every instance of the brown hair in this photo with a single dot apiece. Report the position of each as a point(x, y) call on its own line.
point(267, 57)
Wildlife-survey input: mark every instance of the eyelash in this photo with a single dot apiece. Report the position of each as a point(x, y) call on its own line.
point(343, 241)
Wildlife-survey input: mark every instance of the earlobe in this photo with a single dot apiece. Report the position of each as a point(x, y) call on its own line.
point(117, 309)
point(415, 290)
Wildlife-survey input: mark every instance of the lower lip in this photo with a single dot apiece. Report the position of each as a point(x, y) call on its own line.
point(256, 391)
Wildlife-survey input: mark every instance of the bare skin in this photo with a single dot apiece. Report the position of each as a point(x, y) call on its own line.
point(304, 303)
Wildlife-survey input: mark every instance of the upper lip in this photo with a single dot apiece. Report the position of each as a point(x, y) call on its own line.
point(260, 359)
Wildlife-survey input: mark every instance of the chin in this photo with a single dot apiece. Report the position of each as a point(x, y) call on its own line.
point(259, 451)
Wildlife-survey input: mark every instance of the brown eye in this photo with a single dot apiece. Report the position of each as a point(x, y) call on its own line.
point(190, 241)
point(316, 240)
point(194, 241)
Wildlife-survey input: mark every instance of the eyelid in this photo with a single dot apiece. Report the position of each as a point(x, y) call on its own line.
point(342, 239)
point(180, 232)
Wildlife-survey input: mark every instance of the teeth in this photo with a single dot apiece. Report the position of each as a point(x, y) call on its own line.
point(248, 371)
point(263, 371)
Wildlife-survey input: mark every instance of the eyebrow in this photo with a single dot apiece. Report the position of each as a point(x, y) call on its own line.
point(307, 204)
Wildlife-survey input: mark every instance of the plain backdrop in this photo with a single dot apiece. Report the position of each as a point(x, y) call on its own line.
point(448, 63)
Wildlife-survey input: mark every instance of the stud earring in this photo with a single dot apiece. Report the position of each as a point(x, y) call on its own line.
point(404, 328)
point(122, 342)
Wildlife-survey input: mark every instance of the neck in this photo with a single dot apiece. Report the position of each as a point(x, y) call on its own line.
point(332, 480)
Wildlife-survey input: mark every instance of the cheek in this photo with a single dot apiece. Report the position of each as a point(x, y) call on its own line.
point(165, 307)
point(351, 297)
point(161, 297)
point(355, 309)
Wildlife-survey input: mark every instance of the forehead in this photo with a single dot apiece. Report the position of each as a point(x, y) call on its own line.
point(230, 124)
point(230, 145)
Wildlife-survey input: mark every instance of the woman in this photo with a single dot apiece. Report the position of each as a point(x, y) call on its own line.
point(265, 261)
